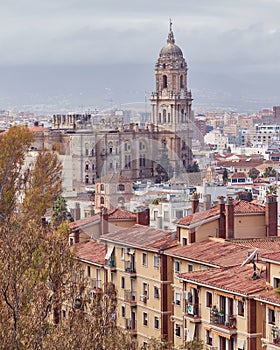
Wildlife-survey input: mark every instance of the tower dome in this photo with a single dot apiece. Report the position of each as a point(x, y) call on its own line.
point(171, 50)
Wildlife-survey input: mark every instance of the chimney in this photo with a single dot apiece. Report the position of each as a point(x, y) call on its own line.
point(104, 216)
point(195, 203)
point(143, 217)
point(271, 215)
point(222, 219)
point(207, 201)
point(229, 218)
point(77, 212)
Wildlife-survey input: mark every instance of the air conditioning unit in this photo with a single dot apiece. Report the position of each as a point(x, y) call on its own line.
point(143, 298)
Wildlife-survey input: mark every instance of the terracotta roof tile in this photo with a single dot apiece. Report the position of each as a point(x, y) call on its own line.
point(83, 222)
point(240, 207)
point(235, 279)
point(270, 296)
point(121, 214)
point(142, 237)
point(219, 253)
point(91, 251)
point(265, 246)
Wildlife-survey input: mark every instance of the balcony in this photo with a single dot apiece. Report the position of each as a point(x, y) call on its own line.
point(130, 268)
point(130, 297)
point(110, 265)
point(94, 283)
point(225, 321)
point(130, 325)
point(274, 337)
point(192, 312)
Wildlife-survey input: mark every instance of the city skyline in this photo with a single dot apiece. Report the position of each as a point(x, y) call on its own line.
point(232, 51)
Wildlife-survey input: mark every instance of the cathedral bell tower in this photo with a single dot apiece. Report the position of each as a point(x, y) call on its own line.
point(172, 101)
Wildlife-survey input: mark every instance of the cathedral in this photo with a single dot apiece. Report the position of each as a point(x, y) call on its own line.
point(100, 145)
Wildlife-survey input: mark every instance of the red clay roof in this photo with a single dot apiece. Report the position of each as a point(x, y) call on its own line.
point(121, 214)
point(266, 246)
point(37, 129)
point(270, 296)
point(142, 237)
point(240, 207)
point(235, 279)
point(83, 222)
point(91, 251)
point(219, 253)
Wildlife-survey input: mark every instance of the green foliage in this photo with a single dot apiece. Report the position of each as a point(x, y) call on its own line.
point(269, 172)
point(192, 168)
point(253, 173)
point(60, 212)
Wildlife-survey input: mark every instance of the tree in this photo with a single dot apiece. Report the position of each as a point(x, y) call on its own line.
point(269, 172)
point(225, 176)
point(60, 212)
point(13, 145)
point(43, 184)
point(40, 278)
point(253, 173)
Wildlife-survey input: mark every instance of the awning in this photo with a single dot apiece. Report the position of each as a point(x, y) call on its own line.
point(221, 334)
point(191, 330)
point(240, 343)
point(110, 250)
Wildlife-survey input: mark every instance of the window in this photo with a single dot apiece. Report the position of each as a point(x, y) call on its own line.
point(144, 259)
point(121, 187)
point(190, 267)
point(209, 299)
point(276, 282)
point(122, 253)
point(145, 319)
point(123, 310)
point(156, 292)
point(102, 200)
point(63, 313)
point(240, 308)
point(177, 266)
point(271, 316)
point(166, 216)
point(145, 289)
point(164, 78)
point(122, 282)
point(86, 167)
point(177, 298)
point(184, 241)
point(88, 271)
point(177, 330)
point(156, 322)
point(156, 261)
point(102, 187)
point(209, 339)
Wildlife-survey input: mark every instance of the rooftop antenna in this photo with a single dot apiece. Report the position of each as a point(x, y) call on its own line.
point(251, 259)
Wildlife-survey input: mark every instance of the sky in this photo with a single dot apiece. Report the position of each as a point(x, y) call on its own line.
point(231, 47)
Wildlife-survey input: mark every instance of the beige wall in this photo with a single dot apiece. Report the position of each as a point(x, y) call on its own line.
point(248, 226)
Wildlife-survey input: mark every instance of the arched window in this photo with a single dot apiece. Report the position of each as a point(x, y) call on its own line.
point(121, 187)
point(102, 200)
point(86, 179)
point(164, 66)
point(86, 167)
point(102, 187)
point(164, 80)
point(93, 166)
point(159, 118)
point(164, 116)
point(181, 82)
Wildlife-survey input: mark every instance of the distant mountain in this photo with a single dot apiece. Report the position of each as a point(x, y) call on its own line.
point(64, 88)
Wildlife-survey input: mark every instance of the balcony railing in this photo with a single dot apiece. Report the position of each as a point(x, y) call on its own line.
point(95, 283)
point(130, 324)
point(192, 310)
point(129, 267)
point(220, 318)
point(274, 337)
point(130, 296)
point(111, 264)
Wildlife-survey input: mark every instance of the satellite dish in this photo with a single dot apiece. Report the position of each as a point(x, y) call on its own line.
point(250, 258)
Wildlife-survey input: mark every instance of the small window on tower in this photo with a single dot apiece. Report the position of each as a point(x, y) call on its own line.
point(164, 81)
